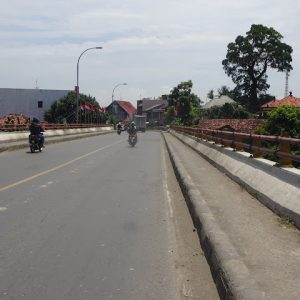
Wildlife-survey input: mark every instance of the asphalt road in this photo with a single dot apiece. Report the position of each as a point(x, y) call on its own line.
point(94, 219)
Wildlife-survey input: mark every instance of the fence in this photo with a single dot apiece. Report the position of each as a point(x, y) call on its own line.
point(279, 147)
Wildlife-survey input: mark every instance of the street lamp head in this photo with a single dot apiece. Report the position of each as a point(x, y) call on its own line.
point(124, 83)
point(99, 47)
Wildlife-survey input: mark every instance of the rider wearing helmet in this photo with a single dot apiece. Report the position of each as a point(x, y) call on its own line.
point(119, 126)
point(36, 129)
point(132, 134)
point(132, 128)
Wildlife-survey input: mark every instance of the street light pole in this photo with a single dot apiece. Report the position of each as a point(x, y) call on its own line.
point(77, 85)
point(112, 95)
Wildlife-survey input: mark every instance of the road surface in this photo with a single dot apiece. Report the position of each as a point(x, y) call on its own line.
point(97, 219)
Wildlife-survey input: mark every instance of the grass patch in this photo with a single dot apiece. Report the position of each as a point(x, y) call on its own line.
point(287, 222)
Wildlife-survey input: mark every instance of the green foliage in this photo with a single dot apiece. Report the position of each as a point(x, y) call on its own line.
point(62, 109)
point(225, 91)
point(196, 114)
point(112, 119)
point(184, 103)
point(227, 111)
point(177, 121)
point(283, 119)
point(210, 94)
point(169, 115)
point(249, 57)
point(65, 109)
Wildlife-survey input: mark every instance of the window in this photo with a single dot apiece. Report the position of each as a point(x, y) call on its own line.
point(40, 104)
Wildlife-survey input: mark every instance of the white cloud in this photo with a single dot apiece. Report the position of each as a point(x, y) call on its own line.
point(151, 44)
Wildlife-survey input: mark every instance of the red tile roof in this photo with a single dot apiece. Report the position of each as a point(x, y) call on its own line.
point(238, 125)
point(127, 106)
point(288, 100)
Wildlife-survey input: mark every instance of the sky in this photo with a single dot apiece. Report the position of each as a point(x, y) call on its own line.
point(152, 45)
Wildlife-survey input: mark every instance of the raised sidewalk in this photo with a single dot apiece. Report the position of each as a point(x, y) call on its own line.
point(253, 253)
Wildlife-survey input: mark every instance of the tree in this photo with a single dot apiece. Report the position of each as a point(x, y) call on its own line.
point(227, 111)
point(169, 115)
point(64, 110)
point(282, 119)
point(225, 91)
point(210, 94)
point(249, 57)
point(184, 101)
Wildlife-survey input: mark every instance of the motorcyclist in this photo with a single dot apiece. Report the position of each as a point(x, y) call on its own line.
point(36, 129)
point(132, 129)
point(119, 126)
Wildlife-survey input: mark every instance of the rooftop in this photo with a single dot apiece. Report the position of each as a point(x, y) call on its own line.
point(288, 100)
point(218, 101)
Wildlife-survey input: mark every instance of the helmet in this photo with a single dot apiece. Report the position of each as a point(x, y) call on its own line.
point(132, 124)
point(35, 120)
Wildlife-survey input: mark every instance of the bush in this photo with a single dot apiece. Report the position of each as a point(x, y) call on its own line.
point(283, 119)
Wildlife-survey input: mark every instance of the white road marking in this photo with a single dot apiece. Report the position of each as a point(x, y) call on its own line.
point(4, 188)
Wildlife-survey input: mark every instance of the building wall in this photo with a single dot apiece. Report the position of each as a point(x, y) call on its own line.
point(25, 101)
point(115, 109)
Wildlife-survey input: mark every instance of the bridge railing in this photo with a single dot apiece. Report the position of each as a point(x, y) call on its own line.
point(46, 126)
point(279, 148)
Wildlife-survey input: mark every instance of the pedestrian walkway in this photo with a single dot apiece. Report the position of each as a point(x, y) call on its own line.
point(253, 253)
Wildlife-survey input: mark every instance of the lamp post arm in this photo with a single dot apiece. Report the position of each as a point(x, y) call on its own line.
point(77, 82)
point(112, 95)
point(79, 60)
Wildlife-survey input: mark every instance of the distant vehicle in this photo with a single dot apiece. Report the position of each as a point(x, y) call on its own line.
point(140, 122)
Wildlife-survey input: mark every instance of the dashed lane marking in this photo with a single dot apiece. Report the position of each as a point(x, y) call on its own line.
point(4, 188)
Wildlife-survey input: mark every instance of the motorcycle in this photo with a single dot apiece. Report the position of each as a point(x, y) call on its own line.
point(119, 131)
point(35, 143)
point(132, 139)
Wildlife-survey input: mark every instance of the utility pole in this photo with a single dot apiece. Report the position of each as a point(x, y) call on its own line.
point(286, 83)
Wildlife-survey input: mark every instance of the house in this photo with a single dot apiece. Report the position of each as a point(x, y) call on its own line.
point(28, 102)
point(288, 100)
point(153, 109)
point(123, 110)
point(218, 101)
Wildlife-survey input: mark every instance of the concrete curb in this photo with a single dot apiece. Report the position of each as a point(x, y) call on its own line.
point(16, 136)
point(20, 140)
point(276, 188)
point(232, 277)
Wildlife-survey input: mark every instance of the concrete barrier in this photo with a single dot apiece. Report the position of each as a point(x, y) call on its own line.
point(18, 140)
point(276, 188)
point(16, 136)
